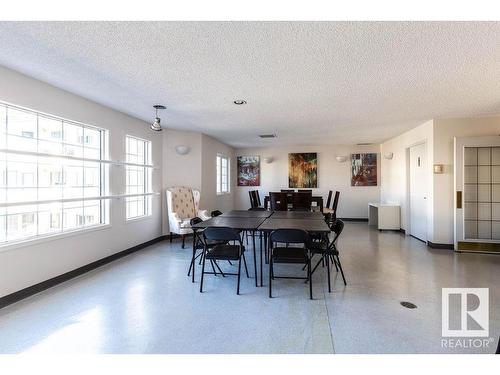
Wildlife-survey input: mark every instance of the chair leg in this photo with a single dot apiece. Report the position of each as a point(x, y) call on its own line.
point(245, 263)
point(239, 274)
point(270, 277)
point(316, 266)
point(183, 240)
point(217, 265)
point(202, 272)
point(213, 268)
point(341, 270)
point(328, 273)
point(310, 278)
point(335, 263)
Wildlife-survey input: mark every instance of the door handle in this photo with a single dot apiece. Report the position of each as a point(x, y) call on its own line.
point(459, 199)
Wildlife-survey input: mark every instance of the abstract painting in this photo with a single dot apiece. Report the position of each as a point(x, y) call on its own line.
point(364, 169)
point(303, 170)
point(248, 170)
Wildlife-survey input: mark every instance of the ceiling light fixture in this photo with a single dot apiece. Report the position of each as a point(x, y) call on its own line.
point(240, 102)
point(156, 126)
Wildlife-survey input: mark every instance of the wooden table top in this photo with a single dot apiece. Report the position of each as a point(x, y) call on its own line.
point(298, 215)
point(247, 214)
point(241, 223)
point(316, 226)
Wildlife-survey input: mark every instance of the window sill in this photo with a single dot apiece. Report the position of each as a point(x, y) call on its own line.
point(52, 237)
point(226, 193)
point(138, 218)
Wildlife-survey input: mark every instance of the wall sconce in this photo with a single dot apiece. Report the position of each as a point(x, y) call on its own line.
point(438, 168)
point(389, 155)
point(182, 150)
point(341, 158)
point(268, 159)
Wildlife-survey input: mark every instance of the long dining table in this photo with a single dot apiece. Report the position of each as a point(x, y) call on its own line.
point(265, 222)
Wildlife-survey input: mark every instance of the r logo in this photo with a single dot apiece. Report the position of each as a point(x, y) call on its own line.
point(465, 312)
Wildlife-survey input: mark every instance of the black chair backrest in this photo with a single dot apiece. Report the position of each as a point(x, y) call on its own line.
point(329, 199)
point(302, 201)
point(337, 227)
point(278, 201)
point(294, 236)
point(336, 201)
point(195, 220)
point(215, 213)
point(257, 196)
point(221, 234)
point(305, 191)
point(287, 191)
point(253, 200)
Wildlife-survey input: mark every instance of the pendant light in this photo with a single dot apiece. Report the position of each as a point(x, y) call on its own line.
point(156, 124)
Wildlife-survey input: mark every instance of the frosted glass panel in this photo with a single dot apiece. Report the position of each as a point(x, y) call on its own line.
point(482, 192)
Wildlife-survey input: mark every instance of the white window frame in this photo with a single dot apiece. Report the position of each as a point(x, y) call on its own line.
point(220, 175)
point(62, 158)
point(145, 166)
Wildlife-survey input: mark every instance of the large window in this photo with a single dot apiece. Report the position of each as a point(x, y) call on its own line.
point(222, 174)
point(51, 175)
point(138, 177)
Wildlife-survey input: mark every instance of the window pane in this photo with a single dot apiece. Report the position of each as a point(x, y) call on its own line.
point(21, 123)
point(3, 128)
point(33, 178)
point(137, 178)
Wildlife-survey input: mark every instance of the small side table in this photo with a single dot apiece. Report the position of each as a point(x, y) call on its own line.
point(384, 216)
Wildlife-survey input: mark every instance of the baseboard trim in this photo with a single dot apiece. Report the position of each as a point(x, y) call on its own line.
point(40, 287)
point(444, 246)
point(359, 219)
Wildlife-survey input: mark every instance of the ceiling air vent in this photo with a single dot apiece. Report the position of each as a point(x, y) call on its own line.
point(267, 135)
point(363, 144)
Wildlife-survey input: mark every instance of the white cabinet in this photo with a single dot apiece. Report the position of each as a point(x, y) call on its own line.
point(384, 216)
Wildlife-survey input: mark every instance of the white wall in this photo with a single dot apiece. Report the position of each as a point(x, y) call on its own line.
point(209, 198)
point(180, 170)
point(197, 169)
point(24, 266)
point(439, 136)
point(394, 186)
point(332, 175)
point(444, 132)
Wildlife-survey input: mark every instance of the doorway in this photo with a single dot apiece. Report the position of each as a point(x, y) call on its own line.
point(418, 191)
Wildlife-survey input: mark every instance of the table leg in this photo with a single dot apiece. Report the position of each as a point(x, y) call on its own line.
point(193, 260)
point(254, 258)
point(260, 240)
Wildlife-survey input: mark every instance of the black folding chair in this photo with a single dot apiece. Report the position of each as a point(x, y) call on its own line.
point(223, 251)
point(198, 247)
point(295, 254)
point(329, 251)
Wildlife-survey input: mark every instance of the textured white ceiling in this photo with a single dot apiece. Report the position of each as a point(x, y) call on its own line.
point(308, 82)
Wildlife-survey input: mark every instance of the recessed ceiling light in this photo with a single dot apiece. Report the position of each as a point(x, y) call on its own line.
point(240, 102)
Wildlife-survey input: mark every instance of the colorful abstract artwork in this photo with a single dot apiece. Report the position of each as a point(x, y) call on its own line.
point(364, 169)
point(303, 170)
point(248, 170)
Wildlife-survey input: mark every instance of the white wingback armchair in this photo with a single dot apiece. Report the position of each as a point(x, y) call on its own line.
point(183, 205)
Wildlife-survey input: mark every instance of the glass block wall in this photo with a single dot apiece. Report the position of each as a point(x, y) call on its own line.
point(482, 193)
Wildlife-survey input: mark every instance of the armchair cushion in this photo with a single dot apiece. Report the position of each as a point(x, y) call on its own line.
point(183, 202)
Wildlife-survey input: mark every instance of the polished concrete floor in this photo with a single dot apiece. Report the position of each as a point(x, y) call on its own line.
point(145, 303)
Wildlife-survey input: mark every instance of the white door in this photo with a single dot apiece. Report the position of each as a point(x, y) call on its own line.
point(418, 191)
point(477, 191)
